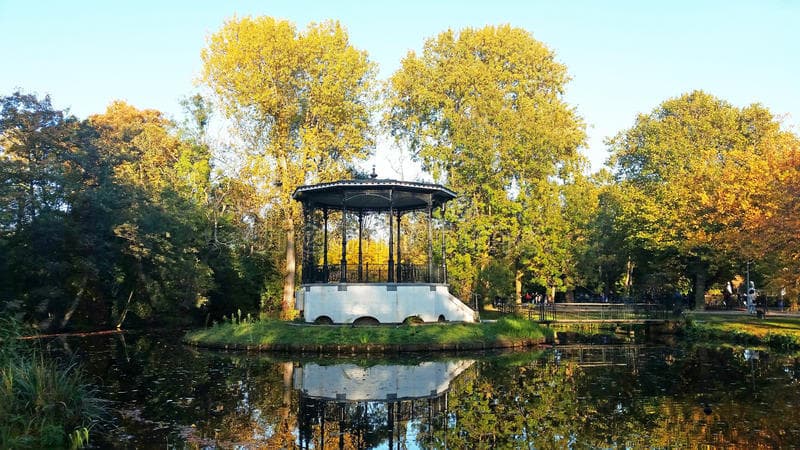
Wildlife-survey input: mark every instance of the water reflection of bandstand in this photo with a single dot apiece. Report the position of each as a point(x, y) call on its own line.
point(350, 406)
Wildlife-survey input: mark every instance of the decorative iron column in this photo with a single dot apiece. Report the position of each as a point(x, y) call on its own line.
point(312, 246)
point(399, 258)
point(430, 238)
point(390, 422)
point(325, 246)
point(391, 240)
point(343, 274)
point(360, 253)
point(308, 229)
point(444, 249)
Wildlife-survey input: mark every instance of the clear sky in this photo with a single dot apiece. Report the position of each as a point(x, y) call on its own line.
point(625, 57)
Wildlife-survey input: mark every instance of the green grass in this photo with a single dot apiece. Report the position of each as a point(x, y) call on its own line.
point(779, 332)
point(273, 332)
point(492, 314)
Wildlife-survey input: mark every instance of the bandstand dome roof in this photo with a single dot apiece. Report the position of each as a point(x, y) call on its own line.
point(373, 194)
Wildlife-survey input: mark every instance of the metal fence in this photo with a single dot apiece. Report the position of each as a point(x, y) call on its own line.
point(596, 312)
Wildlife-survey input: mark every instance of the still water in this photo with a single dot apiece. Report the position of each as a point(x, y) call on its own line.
point(167, 395)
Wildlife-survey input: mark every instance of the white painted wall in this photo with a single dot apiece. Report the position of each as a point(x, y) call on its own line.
point(386, 302)
point(381, 382)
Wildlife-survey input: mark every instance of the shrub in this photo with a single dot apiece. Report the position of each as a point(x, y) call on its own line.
point(11, 347)
point(42, 404)
point(782, 341)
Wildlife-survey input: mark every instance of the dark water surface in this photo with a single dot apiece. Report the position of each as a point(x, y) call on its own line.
point(167, 395)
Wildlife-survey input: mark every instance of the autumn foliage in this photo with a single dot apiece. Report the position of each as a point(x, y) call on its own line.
point(129, 217)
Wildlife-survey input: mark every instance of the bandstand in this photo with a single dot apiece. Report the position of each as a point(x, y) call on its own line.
point(387, 292)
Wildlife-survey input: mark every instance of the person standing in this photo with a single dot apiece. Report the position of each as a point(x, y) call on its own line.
point(727, 296)
point(751, 298)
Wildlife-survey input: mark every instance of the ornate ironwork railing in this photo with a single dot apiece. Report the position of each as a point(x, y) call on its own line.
point(374, 273)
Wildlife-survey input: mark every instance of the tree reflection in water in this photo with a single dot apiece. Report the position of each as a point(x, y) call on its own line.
point(362, 407)
point(168, 395)
point(365, 424)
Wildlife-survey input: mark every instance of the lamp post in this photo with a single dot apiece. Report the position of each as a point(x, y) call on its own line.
point(748, 278)
point(747, 290)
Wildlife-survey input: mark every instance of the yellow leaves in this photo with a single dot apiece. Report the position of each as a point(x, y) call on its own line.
point(302, 96)
point(145, 151)
point(484, 98)
point(705, 165)
point(250, 62)
point(302, 101)
point(374, 252)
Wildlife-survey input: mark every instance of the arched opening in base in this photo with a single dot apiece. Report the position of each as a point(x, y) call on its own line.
point(413, 320)
point(323, 320)
point(366, 322)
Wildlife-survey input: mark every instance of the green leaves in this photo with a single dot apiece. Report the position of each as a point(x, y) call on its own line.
point(107, 220)
point(34, 139)
point(481, 109)
point(484, 103)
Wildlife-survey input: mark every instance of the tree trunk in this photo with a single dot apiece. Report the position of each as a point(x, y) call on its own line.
point(288, 373)
point(699, 269)
point(629, 266)
point(124, 311)
point(288, 281)
point(75, 302)
point(700, 288)
point(518, 286)
point(284, 437)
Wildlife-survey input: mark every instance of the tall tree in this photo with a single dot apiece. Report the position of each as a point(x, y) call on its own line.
point(301, 102)
point(36, 238)
point(580, 195)
point(157, 225)
point(762, 180)
point(695, 163)
point(616, 262)
point(483, 110)
point(34, 138)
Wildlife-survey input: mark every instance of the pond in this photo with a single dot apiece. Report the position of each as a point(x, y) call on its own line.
point(167, 395)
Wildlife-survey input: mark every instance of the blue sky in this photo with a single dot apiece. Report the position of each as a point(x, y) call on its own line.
point(625, 57)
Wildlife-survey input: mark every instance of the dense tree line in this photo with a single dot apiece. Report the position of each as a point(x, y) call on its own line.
point(116, 218)
point(126, 217)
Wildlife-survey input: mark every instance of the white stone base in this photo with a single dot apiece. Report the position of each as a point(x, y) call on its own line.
point(349, 382)
point(384, 302)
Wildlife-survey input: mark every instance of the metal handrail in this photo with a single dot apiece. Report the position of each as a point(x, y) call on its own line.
point(550, 312)
point(373, 273)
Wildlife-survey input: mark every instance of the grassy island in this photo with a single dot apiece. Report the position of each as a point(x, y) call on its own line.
point(288, 336)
